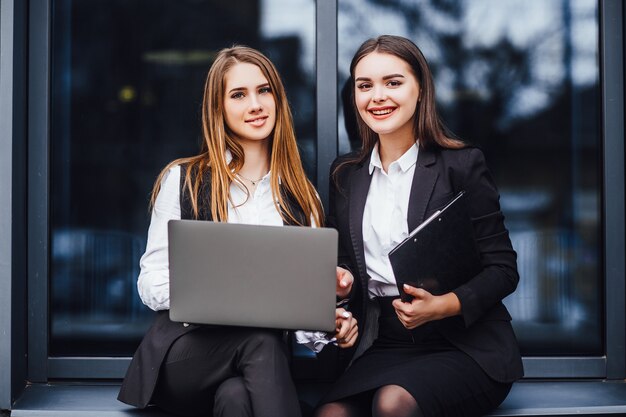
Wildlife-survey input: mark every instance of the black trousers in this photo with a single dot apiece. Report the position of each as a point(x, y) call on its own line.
point(227, 372)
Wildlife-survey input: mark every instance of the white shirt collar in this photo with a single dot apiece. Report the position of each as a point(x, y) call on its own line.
point(405, 162)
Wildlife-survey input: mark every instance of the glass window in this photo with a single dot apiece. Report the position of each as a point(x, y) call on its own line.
point(127, 86)
point(519, 79)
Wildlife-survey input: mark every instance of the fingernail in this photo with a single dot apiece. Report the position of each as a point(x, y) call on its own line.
point(346, 315)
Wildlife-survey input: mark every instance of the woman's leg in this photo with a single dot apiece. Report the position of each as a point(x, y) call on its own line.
point(262, 361)
point(200, 361)
point(387, 401)
point(394, 401)
point(355, 406)
point(195, 366)
point(337, 409)
point(232, 399)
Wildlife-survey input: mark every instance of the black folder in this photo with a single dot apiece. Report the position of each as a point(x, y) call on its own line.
point(440, 254)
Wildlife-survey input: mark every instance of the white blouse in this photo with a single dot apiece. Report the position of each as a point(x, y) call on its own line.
point(385, 218)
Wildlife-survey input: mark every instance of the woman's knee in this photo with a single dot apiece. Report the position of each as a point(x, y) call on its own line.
point(232, 397)
point(394, 401)
point(336, 409)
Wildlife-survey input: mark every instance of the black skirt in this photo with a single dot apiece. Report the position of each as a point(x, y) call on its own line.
point(443, 380)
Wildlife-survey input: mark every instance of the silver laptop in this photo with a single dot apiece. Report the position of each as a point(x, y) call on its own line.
point(248, 275)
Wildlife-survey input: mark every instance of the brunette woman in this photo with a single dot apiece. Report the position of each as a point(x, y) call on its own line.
point(453, 354)
point(248, 171)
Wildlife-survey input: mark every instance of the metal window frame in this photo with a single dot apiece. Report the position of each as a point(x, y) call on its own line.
point(38, 187)
point(12, 212)
point(612, 82)
point(326, 78)
point(42, 368)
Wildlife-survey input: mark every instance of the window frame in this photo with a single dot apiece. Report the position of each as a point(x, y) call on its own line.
point(42, 368)
point(13, 67)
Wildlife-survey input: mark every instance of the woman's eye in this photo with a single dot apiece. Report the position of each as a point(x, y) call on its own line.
point(364, 86)
point(264, 90)
point(237, 95)
point(394, 83)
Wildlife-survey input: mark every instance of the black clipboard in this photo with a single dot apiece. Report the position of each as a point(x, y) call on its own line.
point(440, 254)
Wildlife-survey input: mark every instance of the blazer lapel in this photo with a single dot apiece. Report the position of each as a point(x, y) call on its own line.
point(422, 187)
point(359, 187)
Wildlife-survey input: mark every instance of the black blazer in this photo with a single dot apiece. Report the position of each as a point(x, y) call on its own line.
point(483, 330)
point(143, 372)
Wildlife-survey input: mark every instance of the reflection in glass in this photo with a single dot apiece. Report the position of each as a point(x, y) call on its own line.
point(519, 79)
point(127, 87)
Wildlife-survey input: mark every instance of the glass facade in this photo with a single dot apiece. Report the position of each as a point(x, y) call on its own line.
point(127, 86)
point(519, 79)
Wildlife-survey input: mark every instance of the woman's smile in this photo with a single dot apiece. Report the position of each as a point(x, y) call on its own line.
point(381, 113)
point(257, 121)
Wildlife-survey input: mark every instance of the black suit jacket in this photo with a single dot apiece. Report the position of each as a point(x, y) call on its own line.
point(143, 371)
point(483, 330)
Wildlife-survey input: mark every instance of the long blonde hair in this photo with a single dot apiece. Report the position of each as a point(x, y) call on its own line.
point(287, 173)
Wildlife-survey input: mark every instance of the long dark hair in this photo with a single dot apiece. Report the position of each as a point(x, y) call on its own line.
point(428, 127)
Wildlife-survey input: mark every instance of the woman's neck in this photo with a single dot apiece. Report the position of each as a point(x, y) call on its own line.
point(256, 159)
point(392, 147)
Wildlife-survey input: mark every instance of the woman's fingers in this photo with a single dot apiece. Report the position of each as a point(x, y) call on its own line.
point(342, 322)
point(353, 333)
point(350, 339)
point(347, 329)
point(344, 282)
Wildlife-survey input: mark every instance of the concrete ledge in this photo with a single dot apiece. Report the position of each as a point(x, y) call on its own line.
point(564, 398)
point(76, 400)
point(527, 398)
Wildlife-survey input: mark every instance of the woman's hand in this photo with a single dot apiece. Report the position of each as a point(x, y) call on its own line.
point(425, 307)
point(346, 328)
point(344, 282)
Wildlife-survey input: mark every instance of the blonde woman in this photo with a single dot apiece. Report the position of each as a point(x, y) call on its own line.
point(248, 171)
